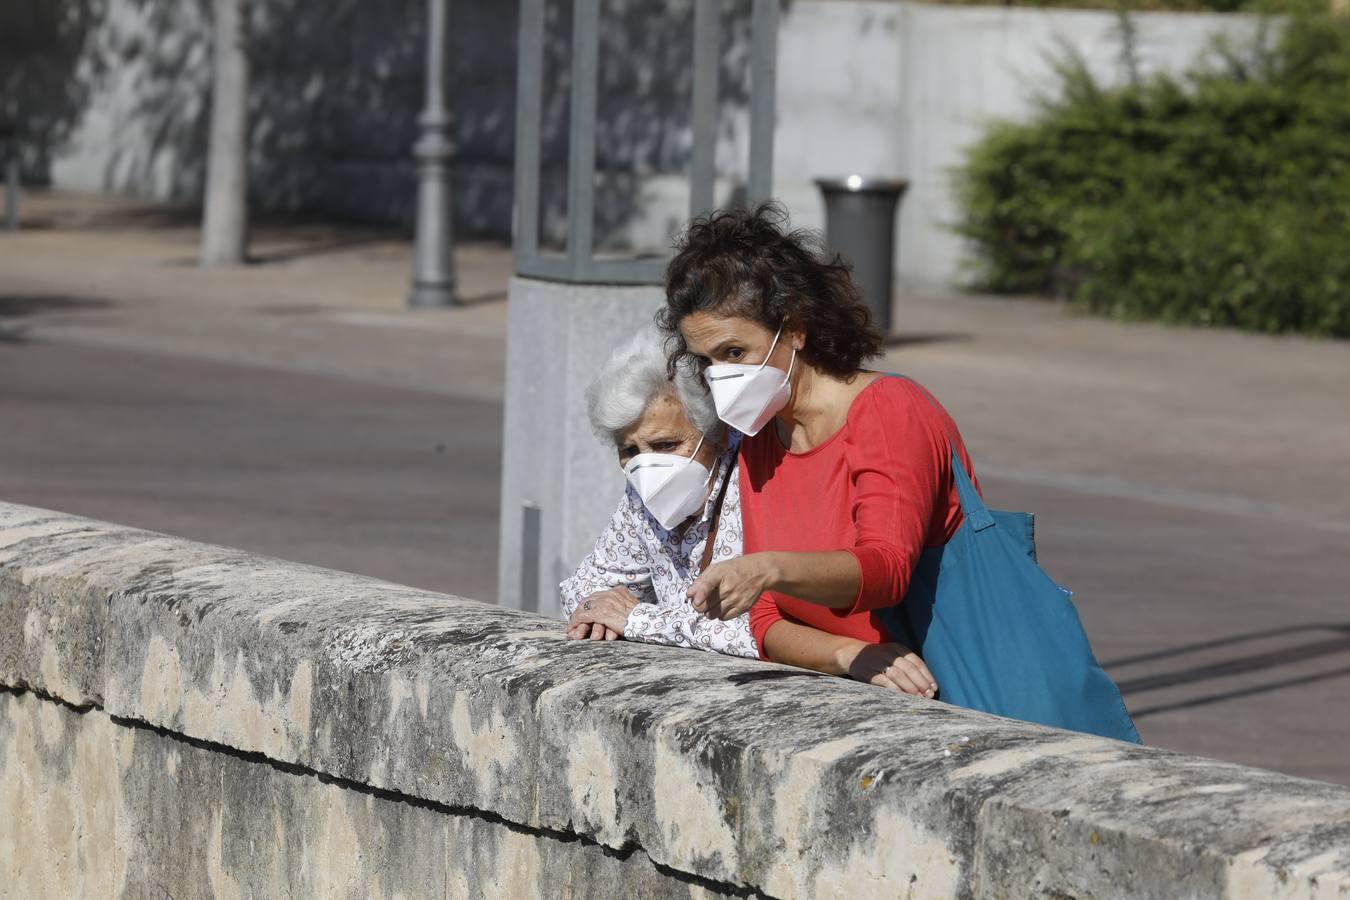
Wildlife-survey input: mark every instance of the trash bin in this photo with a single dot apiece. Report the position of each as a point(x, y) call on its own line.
point(860, 224)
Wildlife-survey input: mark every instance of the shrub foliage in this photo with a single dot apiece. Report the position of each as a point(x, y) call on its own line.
point(1142, 5)
point(1220, 198)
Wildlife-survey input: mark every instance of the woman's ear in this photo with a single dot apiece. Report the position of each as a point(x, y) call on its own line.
point(792, 330)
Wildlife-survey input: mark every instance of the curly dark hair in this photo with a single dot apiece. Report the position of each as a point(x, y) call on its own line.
point(744, 262)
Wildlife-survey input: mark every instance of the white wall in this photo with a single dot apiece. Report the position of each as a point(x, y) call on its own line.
point(903, 89)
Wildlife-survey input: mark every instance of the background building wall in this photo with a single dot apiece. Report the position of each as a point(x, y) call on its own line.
point(879, 88)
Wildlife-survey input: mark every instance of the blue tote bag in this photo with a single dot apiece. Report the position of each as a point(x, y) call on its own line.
point(998, 634)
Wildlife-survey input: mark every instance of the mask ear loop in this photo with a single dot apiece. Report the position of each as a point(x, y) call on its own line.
point(777, 334)
point(701, 438)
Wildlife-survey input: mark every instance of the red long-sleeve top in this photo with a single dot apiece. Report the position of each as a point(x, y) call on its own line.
point(880, 488)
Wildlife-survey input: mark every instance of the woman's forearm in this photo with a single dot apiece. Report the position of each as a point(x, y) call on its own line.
point(888, 665)
point(831, 578)
point(810, 648)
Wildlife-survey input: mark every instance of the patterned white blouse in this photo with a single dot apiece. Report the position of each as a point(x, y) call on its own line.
point(658, 566)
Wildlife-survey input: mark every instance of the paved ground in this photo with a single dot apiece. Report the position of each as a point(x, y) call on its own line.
point(392, 483)
point(1192, 487)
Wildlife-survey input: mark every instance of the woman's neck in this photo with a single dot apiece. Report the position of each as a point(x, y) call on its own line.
point(818, 408)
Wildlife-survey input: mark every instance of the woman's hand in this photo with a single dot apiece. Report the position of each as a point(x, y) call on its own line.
point(728, 589)
point(892, 666)
point(602, 616)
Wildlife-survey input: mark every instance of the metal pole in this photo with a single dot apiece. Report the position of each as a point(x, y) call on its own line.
point(581, 147)
point(11, 188)
point(707, 58)
point(530, 547)
point(529, 105)
point(763, 88)
point(434, 265)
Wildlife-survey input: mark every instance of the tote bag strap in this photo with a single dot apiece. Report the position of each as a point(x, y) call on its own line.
point(972, 504)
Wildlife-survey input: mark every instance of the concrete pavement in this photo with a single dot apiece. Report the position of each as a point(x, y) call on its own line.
point(1191, 486)
point(393, 483)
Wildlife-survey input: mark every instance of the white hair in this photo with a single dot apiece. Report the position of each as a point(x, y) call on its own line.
point(636, 374)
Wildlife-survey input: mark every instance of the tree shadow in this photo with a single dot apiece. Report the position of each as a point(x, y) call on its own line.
point(336, 94)
point(919, 338)
point(482, 299)
point(43, 92)
point(13, 306)
point(311, 249)
point(147, 218)
point(1240, 663)
point(1221, 696)
point(1229, 641)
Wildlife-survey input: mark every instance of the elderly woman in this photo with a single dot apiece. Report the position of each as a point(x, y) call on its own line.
point(680, 510)
point(683, 493)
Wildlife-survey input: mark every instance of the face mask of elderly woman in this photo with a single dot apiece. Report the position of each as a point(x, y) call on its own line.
point(668, 462)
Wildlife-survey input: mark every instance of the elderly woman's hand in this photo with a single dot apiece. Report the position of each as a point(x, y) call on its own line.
point(602, 616)
point(728, 589)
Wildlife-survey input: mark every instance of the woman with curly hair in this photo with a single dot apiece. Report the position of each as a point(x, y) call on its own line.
point(845, 473)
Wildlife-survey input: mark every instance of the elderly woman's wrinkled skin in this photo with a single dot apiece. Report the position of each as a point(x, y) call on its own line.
point(663, 428)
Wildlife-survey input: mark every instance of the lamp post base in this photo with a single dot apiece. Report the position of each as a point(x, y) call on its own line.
point(432, 294)
point(12, 192)
point(433, 282)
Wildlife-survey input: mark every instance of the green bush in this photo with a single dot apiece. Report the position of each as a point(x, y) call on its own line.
point(1222, 198)
point(1142, 5)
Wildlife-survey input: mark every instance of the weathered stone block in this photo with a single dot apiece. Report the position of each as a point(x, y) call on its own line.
point(590, 761)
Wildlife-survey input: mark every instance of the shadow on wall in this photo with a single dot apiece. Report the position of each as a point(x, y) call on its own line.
point(646, 54)
point(336, 93)
point(45, 77)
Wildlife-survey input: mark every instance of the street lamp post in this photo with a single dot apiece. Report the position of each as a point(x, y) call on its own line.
point(9, 158)
point(434, 265)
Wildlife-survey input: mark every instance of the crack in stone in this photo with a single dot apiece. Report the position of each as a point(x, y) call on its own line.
point(623, 852)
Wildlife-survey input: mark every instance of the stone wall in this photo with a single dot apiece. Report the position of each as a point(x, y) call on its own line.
point(558, 337)
point(187, 720)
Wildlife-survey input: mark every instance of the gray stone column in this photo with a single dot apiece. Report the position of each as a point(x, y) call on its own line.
point(558, 337)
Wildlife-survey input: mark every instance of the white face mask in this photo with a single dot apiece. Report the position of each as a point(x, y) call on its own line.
point(746, 396)
point(672, 487)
